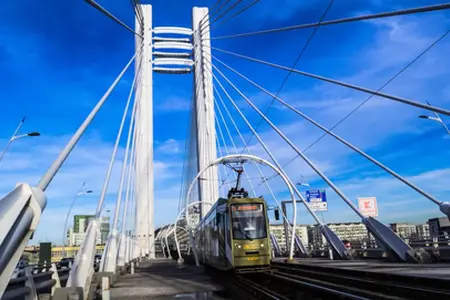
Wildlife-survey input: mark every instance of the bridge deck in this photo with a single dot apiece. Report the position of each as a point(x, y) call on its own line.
point(435, 270)
point(163, 279)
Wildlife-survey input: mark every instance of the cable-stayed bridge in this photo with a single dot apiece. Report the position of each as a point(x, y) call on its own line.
point(222, 146)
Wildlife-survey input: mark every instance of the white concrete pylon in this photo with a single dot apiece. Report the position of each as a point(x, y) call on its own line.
point(204, 105)
point(144, 149)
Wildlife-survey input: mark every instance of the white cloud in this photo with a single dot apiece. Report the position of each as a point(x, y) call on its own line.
point(27, 161)
point(395, 42)
point(396, 201)
point(374, 126)
point(170, 147)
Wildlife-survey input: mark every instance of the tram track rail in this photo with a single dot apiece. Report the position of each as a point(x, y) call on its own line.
point(356, 284)
point(299, 281)
point(287, 287)
point(246, 288)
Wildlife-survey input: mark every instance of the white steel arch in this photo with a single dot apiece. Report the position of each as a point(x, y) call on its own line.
point(243, 157)
point(180, 260)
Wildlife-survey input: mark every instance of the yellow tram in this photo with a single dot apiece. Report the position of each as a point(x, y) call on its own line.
point(234, 235)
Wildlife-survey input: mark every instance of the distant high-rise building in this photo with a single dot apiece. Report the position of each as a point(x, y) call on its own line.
point(404, 230)
point(439, 227)
point(350, 231)
point(423, 230)
point(278, 231)
point(104, 230)
point(81, 222)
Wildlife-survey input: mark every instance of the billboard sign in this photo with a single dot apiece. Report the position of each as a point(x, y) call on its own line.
point(317, 200)
point(368, 206)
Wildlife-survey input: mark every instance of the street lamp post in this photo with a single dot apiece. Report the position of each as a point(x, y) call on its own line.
point(15, 136)
point(80, 192)
point(303, 184)
point(437, 118)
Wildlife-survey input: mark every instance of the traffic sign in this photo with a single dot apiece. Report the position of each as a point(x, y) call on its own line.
point(317, 200)
point(368, 206)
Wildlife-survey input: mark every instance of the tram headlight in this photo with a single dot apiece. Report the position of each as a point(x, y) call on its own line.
point(237, 246)
point(262, 245)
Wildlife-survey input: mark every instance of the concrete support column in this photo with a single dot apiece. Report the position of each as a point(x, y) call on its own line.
point(204, 106)
point(144, 149)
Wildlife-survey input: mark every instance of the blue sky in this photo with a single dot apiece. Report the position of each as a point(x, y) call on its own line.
point(58, 58)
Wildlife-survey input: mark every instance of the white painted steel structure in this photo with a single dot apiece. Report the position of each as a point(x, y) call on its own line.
point(144, 147)
point(204, 105)
point(189, 51)
point(241, 158)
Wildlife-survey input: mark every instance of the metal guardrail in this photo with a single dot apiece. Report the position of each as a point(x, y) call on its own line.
point(34, 280)
point(438, 247)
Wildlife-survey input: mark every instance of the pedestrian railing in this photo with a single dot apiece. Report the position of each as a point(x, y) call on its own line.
point(36, 281)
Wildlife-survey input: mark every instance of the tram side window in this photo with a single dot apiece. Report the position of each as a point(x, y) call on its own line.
point(248, 221)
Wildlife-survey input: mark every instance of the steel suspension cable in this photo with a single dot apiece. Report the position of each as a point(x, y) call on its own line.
point(222, 15)
point(109, 257)
point(382, 87)
point(211, 14)
point(344, 84)
point(224, 145)
point(131, 191)
point(139, 6)
point(133, 210)
point(127, 148)
point(289, 142)
point(126, 172)
point(408, 11)
point(299, 56)
point(187, 155)
point(54, 168)
point(126, 213)
point(261, 142)
point(230, 137)
point(340, 139)
point(111, 16)
point(266, 149)
point(409, 64)
point(128, 209)
point(224, 181)
point(232, 16)
point(137, 12)
point(249, 152)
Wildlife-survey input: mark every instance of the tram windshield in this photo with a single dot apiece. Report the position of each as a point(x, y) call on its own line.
point(248, 221)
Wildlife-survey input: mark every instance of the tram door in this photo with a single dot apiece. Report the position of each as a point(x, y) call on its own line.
point(221, 235)
point(228, 242)
point(215, 239)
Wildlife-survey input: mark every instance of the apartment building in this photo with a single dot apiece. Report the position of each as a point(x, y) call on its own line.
point(278, 231)
point(351, 231)
point(404, 230)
